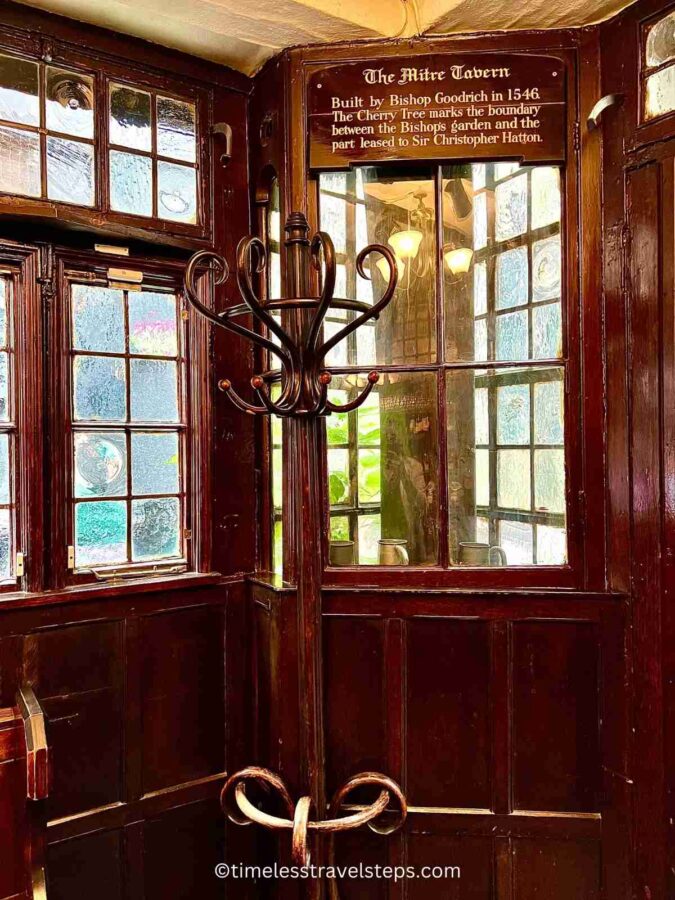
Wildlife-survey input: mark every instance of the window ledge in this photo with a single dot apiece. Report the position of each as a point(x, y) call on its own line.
point(79, 593)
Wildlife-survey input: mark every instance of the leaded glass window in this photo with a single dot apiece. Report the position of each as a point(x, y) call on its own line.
point(8, 431)
point(127, 427)
point(659, 67)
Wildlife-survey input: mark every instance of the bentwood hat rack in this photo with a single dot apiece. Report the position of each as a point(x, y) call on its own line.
point(302, 382)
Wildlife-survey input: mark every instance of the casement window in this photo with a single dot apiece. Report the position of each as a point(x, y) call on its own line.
point(658, 67)
point(463, 440)
point(127, 423)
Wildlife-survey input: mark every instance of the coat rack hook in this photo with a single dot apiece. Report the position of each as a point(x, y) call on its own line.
point(603, 104)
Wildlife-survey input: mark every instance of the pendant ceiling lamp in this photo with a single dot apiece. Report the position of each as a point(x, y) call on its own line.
point(300, 348)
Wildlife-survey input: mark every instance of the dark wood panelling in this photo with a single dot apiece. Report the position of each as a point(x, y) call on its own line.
point(90, 866)
point(180, 852)
point(555, 716)
point(555, 870)
point(361, 848)
point(355, 711)
point(182, 692)
point(473, 856)
point(13, 821)
point(448, 713)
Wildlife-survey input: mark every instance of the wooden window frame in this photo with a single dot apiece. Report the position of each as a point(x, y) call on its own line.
point(645, 71)
point(194, 401)
point(441, 574)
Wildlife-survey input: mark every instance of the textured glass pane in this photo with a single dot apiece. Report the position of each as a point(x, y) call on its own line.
point(100, 464)
point(154, 391)
point(480, 289)
point(152, 324)
point(512, 278)
point(130, 183)
point(5, 411)
point(548, 412)
point(517, 541)
point(70, 171)
point(339, 528)
point(478, 174)
point(511, 342)
point(6, 554)
point(99, 388)
point(545, 196)
point(482, 530)
point(334, 219)
point(154, 463)
point(549, 480)
point(366, 340)
point(369, 533)
point(4, 469)
point(338, 477)
point(661, 41)
point(19, 162)
point(513, 414)
point(19, 91)
point(551, 546)
point(337, 424)
point(480, 221)
point(481, 412)
point(130, 124)
point(482, 478)
point(511, 208)
point(98, 318)
point(338, 355)
point(546, 331)
point(176, 124)
point(660, 93)
point(513, 479)
point(4, 297)
point(100, 532)
point(504, 169)
point(480, 339)
point(369, 476)
point(70, 102)
point(546, 276)
point(370, 422)
point(155, 528)
point(278, 548)
point(177, 190)
point(277, 479)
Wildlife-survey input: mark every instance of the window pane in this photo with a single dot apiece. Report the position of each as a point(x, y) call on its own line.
point(70, 171)
point(70, 102)
point(152, 324)
point(393, 459)
point(661, 41)
point(512, 340)
point(511, 208)
point(176, 129)
point(512, 278)
point(5, 474)
point(546, 275)
point(154, 463)
point(339, 528)
point(545, 196)
point(394, 208)
point(100, 532)
point(154, 395)
point(130, 183)
point(99, 389)
point(130, 122)
point(546, 332)
point(660, 93)
point(19, 100)
point(6, 553)
point(177, 192)
point(19, 162)
point(3, 311)
point(100, 464)
point(500, 490)
point(551, 546)
point(5, 406)
point(155, 529)
point(98, 318)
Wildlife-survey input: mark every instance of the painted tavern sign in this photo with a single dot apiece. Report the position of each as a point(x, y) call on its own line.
point(497, 105)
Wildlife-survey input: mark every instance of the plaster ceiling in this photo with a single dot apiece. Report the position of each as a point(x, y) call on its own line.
point(244, 33)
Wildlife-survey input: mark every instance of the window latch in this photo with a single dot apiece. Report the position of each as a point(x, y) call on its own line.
point(19, 565)
point(71, 557)
point(125, 279)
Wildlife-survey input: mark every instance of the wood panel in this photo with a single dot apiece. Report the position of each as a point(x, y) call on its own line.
point(556, 870)
point(91, 866)
point(472, 855)
point(448, 713)
point(555, 716)
point(13, 817)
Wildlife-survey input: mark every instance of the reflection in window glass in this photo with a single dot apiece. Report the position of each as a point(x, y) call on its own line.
point(507, 464)
point(382, 471)
point(376, 205)
point(127, 436)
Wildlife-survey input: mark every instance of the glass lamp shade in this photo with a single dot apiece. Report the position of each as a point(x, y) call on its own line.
point(458, 260)
point(406, 244)
point(383, 267)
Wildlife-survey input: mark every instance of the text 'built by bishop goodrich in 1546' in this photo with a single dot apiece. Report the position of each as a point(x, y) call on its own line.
point(486, 107)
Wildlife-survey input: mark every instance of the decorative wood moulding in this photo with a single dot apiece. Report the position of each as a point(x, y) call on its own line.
point(241, 811)
point(300, 347)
